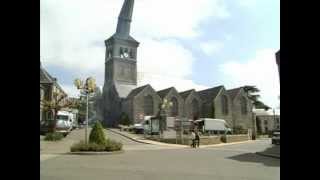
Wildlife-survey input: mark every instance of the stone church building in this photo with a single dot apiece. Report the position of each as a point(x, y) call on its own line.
point(122, 95)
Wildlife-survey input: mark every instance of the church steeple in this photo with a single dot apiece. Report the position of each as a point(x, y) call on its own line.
point(124, 20)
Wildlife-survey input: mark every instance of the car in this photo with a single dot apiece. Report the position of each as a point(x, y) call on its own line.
point(275, 138)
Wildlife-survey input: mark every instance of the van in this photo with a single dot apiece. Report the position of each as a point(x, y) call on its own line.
point(213, 126)
point(64, 122)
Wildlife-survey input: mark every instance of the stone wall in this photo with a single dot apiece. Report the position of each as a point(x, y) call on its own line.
point(188, 105)
point(237, 138)
point(240, 119)
point(138, 103)
point(218, 108)
point(174, 93)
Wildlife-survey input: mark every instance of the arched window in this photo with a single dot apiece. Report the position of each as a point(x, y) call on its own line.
point(175, 107)
point(195, 109)
point(224, 104)
point(244, 108)
point(148, 105)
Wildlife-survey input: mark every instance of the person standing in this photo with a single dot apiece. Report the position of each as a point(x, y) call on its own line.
point(197, 139)
point(193, 138)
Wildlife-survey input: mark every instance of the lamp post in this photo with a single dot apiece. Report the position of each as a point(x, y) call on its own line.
point(163, 108)
point(86, 88)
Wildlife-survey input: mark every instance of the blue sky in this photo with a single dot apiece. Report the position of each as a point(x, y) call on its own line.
point(194, 44)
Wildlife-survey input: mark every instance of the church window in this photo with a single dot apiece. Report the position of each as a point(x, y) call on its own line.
point(148, 105)
point(121, 52)
point(224, 105)
point(131, 53)
point(174, 108)
point(243, 102)
point(195, 109)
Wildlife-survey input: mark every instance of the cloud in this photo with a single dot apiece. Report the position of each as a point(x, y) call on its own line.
point(247, 3)
point(73, 33)
point(261, 70)
point(211, 47)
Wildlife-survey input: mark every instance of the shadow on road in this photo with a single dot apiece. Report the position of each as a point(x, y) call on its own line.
point(273, 150)
point(254, 158)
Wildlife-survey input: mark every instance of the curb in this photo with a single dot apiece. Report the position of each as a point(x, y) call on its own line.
point(95, 153)
point(127, 136)
point(268, 155)
point(224, 144)
point(156, 142)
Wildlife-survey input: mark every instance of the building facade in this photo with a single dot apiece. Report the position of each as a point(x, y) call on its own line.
point(266, 121)
point(48, 88)
point(122, 95)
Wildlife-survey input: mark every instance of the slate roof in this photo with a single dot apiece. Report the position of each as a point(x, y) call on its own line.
point(233, 92)
point(136, 91)
point(163, 93)
point(124, 90)
point(45, 77)
point(185, 94)
point(129, 38)
point(209, 94)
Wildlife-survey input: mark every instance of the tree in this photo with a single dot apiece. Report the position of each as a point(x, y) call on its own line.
point(251, 93)
point(54, 105)
point(124, 119)
point(97, 134)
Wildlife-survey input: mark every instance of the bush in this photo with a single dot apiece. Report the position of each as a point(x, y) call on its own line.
point(53, 136)
point(113, 145)
point(223, 139)
point(124, 120)
point(97, 135)
point(110, 145)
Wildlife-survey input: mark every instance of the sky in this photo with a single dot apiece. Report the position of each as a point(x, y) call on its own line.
point(188, 44)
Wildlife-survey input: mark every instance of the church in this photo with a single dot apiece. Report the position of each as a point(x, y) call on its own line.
point(122, 95)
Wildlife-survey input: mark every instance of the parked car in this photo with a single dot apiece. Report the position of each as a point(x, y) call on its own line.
point(276, 138)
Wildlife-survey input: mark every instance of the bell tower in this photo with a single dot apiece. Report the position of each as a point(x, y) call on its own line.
point(120, 66)
point(121, 51)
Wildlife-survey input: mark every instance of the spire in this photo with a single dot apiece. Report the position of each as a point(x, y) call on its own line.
point(124, 20)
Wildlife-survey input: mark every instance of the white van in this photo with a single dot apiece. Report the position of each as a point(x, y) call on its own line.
point(64, 122)
point(214, 126)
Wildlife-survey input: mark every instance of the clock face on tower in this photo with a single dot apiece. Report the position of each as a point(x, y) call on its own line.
point(125, 54)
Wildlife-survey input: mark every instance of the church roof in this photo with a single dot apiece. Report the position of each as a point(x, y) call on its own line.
point(124, 90)
point(163, 93)
point(45, 77)
point(124, 20)
point(136, 91)
point(209, 94)
point(233, 92)
point(185, 94)
point(128, 38)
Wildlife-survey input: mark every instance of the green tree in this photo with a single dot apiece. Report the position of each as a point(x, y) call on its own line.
point(54, 105)
point(251, 92)
point(124, 119)
point(97, 135)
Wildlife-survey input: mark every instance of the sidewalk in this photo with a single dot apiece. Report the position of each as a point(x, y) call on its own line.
point(141, 139)
point(273, 151)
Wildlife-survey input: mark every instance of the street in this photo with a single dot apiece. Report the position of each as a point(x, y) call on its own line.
point(143, 161)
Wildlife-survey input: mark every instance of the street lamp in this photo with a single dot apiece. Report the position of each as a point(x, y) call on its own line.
point(163, 108)
point(86, 88)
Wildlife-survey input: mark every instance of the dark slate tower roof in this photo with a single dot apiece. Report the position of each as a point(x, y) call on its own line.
point(124, 19)
point(209, 94)
point(233, 92)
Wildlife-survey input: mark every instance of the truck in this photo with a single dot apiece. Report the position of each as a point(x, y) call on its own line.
point(65, 122)
point(213, 126)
